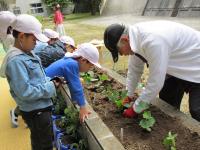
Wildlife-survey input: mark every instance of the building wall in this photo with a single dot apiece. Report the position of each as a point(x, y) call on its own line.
point(115, 7)
point(174, 8)
point(34, 7)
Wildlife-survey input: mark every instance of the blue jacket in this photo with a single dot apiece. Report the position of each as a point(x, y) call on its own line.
point(29, 85)
point(69, 69)
point(51, 53)
point(39, 46)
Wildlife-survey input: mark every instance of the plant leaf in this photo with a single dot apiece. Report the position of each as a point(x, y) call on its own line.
point(148, 121)
point(170, 141)
point(103, 77)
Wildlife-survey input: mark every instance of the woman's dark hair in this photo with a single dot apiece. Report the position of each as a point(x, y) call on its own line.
point(16, 33)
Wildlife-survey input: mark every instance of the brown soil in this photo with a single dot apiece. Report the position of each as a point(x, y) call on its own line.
point(135, 138)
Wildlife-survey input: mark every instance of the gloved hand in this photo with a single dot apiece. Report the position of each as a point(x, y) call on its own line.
point(128, 99)
point(129, 113)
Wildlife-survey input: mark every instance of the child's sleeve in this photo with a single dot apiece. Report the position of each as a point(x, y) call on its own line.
point(71, 75)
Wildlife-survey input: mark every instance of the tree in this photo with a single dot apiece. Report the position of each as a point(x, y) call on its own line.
point(86, 6)
point(52, 3)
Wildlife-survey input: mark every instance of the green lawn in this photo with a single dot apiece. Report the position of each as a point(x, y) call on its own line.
point(74, 28)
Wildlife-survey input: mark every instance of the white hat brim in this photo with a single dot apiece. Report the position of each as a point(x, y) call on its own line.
point(41, 37)
point(75, 55)
point(96, 64)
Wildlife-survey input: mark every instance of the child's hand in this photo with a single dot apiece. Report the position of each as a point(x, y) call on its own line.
point(84, 113)
point(58, 80)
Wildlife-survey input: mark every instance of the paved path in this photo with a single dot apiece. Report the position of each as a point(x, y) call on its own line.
point(130, 19)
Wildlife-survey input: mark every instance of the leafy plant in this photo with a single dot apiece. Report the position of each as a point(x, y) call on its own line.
point(70, 122)
point(81, 145)
point(103, 77)
point(88, 77)
point(72, 119)
point(148, 121)
point(59, 104)
point(115, 96)
point(52, 3)
point(170, 141)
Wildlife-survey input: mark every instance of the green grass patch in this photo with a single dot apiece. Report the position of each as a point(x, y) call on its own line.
point(79, 16)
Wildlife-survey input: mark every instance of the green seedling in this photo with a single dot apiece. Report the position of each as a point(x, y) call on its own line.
point(148, 121)
point(170, 141)
point(118, 102)
point(116, 97)
point(88, 77)
point(103, 77)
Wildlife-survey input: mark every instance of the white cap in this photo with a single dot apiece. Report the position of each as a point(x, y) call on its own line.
point(6, 19)
point(29, 24)
point(51, 33)
point(97, 43)
point(87, 51)
point(58, 6)
point(67, 40)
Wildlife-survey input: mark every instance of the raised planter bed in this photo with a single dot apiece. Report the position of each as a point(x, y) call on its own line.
point(135, 138)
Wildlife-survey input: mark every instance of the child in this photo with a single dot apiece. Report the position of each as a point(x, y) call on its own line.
point(6, 38)
point(58, 20)
point(69, 43)
point(81, 60)
point(52, 35)
point(29, 86)
point(55, 50)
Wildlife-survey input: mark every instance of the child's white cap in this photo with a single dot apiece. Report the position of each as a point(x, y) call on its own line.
point(87, 51)
point(97, 43)
point(67, 40)
point(6, 19)
point(29, 24)
point(50, 33)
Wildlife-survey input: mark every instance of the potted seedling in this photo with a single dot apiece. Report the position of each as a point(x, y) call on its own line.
point(71, 138)
point(170, 141)
point(59, 105)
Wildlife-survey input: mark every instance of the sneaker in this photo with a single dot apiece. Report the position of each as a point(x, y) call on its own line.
point(14, 119)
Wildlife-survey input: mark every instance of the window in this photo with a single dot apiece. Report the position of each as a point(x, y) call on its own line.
point(36, 8)
point(16, 10)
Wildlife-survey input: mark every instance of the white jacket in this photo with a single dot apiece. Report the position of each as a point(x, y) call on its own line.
point(168, 47)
